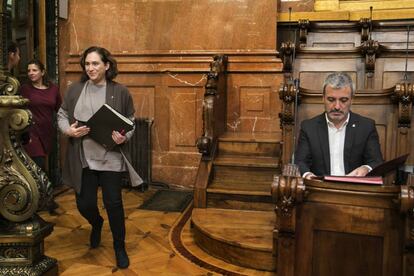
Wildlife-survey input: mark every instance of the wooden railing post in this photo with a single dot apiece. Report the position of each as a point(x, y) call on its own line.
point(287, 191)
point(403, 96)
point(214, 124)
point(214, 107)
point(288, 94)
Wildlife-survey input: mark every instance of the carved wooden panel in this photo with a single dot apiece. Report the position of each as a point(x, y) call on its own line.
point(390, 78)
point(323, 39)
point(144, 100)
point(353, 237)
point(253, 103)
point(393, 39)
point(353, 254)
point(185, 117)
point(314, 79)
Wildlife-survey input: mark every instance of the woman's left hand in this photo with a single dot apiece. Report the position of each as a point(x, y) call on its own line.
point(118, 137)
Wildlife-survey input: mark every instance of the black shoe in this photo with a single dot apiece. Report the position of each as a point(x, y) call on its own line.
point(95, 238)
point(122, 260)
point(52, 206)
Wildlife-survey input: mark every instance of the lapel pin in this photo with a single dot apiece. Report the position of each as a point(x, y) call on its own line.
point(353, 125)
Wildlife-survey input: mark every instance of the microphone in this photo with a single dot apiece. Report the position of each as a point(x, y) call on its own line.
point(296, 82)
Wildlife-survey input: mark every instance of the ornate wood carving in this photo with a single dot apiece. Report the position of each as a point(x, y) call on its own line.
point(19, 195)
point(286, 55)
point(404, 96)
point(287, 191)
point(22, 185)
point(214, 106)
point(303, 25)
point(288, 93)
point(365, 24)
point(370, 49)
point(214, 124)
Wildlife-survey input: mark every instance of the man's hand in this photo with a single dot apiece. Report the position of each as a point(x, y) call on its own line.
point(309, 175)
point(118, 137)
point(360, 171)
point(75, 131)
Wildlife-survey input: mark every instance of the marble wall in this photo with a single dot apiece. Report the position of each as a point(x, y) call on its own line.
point(164, 48)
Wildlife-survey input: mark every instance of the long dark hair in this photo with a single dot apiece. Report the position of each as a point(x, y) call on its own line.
point(41, 66)
point(106, 57)
point(12, 48)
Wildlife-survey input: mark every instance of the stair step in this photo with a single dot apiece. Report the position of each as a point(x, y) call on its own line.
point(240, 174)
point(250, 144)
point(236, 235)
point(262, 137)
point(240, 188)
point(237, 192)
point(240, 202)
point(247, 161)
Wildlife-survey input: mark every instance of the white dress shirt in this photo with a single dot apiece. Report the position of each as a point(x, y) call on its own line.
point(336, 146)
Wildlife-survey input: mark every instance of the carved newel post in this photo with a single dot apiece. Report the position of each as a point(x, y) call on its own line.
point(288, 191)
point(21, 231)
point(21, 189)
point(23, 186)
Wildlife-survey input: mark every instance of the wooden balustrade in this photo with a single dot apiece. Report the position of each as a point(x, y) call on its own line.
point(214, 107)
point(214, 124)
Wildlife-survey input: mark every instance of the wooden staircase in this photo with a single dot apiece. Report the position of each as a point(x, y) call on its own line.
point(237, 218)
point(242, 238)
point(243, 171)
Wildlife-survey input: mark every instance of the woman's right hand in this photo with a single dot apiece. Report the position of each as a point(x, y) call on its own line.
point(75, 131)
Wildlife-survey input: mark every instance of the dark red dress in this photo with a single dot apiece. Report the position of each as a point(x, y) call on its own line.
point(44, 103)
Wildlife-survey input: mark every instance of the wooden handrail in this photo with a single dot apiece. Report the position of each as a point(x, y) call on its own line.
point(214, 107)
point(214, 124)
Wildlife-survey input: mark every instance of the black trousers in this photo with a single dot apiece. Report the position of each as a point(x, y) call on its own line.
point(87, 201)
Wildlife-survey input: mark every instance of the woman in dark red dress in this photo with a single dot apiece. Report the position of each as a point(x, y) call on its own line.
point(45, 101)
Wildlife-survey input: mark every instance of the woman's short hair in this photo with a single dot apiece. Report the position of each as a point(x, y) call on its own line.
point(41, 66)
point(339, 80)
point(106, 57)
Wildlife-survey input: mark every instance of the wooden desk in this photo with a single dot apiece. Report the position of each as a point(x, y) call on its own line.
point(327, 228)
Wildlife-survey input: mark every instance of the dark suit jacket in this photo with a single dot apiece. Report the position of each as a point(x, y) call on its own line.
point(361, 145)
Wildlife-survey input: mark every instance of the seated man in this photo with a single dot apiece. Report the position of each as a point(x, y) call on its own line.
point(337, 142)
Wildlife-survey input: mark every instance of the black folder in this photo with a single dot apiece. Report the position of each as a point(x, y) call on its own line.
point(104, 121)
point(388, 166)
